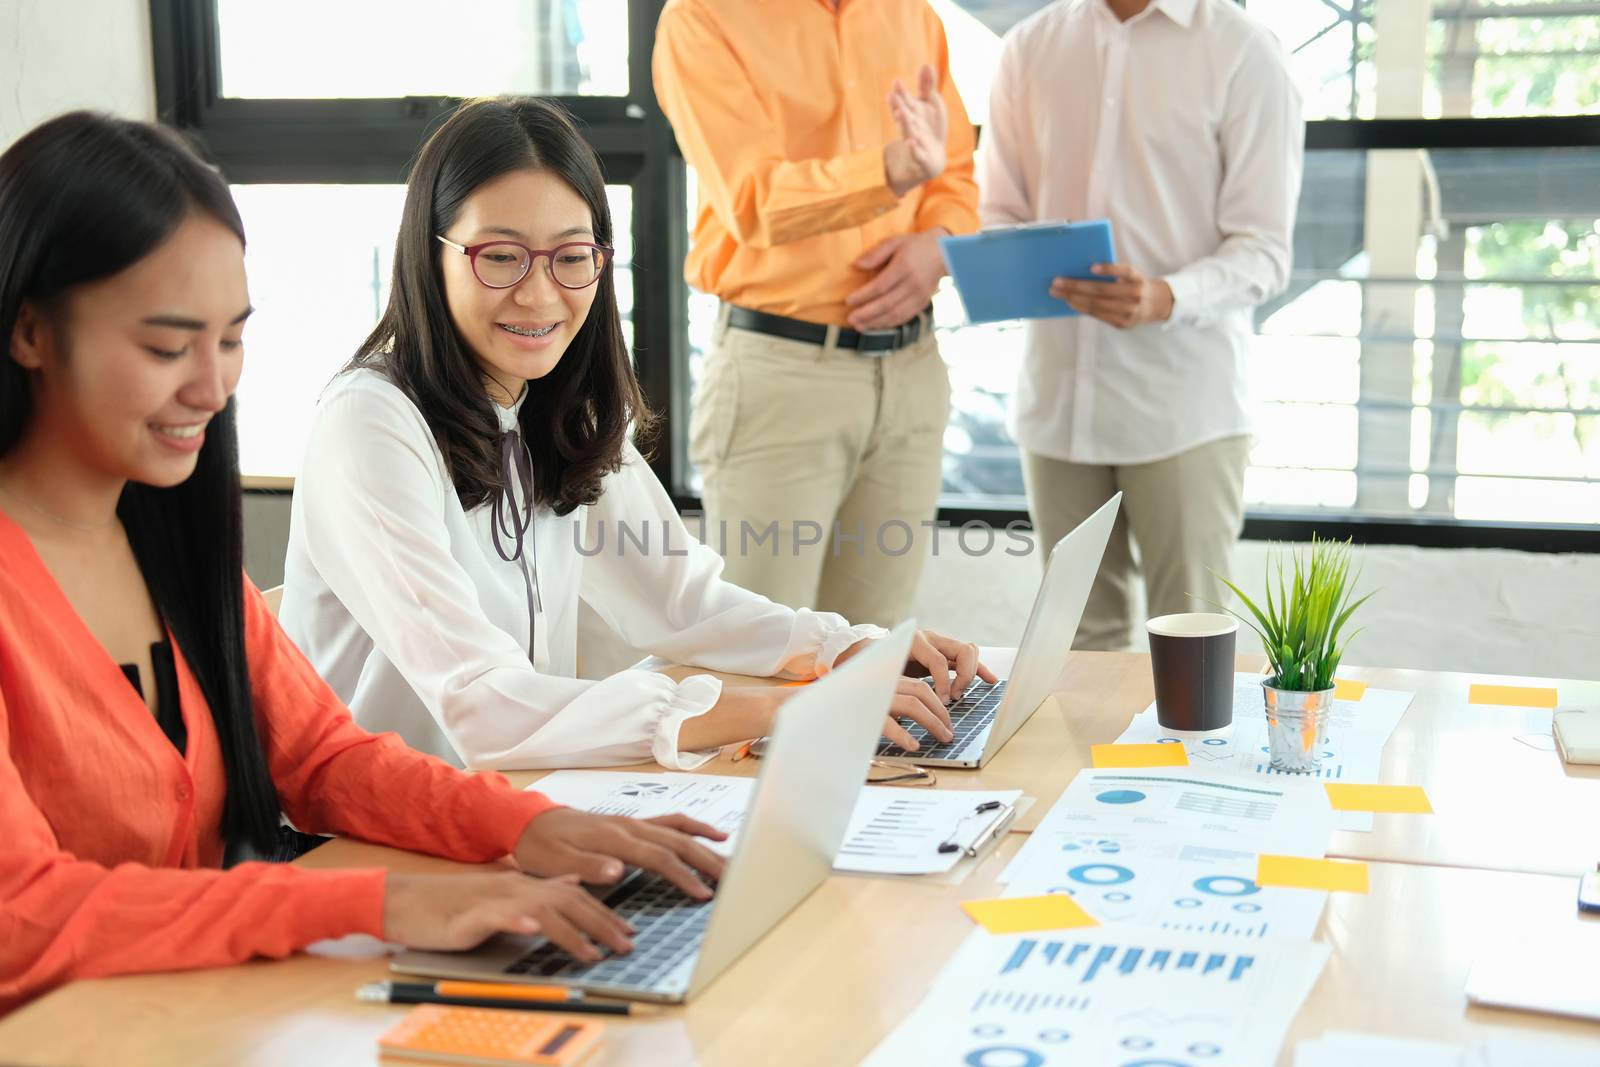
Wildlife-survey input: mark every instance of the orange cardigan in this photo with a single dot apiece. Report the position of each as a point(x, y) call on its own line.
point(109, 837)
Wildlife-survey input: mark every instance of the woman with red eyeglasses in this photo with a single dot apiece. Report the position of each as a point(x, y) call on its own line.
point(470, 479)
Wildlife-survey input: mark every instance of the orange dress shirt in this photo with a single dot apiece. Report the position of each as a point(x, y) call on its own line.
point(781, 108)
point(109, 836)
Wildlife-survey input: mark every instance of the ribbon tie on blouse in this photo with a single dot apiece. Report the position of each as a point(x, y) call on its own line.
point(514, 522)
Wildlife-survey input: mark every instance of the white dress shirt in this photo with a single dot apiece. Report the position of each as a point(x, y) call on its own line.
point(401, 601)
point(1182, 127)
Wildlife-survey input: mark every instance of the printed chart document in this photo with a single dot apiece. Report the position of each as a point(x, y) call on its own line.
point(892, 831)
point(1285, 816)
point(1168, 885)
point(1354, 752)
point(1114, 995)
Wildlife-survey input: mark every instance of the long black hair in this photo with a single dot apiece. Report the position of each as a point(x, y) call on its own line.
point(576, 418)
point(82, 197)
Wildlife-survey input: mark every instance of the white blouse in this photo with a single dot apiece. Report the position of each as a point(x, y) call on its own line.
point(401, 601)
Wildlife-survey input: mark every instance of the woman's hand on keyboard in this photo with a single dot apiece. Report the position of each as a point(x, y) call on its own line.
point(939, 657)
point(597, 847)
point(914, 699)
point(948, 664)
point(451, 912)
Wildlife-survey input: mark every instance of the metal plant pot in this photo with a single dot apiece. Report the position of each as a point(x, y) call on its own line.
point(1297, 727)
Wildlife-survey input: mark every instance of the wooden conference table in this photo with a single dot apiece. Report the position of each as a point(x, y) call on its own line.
point(828, 983)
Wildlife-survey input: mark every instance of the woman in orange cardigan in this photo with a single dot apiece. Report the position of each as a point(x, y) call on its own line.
point(154, 720)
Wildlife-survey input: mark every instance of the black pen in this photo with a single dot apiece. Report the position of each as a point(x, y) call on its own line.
point(460, 995)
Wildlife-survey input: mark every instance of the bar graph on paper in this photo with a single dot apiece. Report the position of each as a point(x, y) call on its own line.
point(901, 830)
point(1221, 927)
point(1029, 1002)
point(1087, 962)
point(1332, 766)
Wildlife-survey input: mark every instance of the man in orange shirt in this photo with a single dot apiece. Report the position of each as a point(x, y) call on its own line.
point(824, 184)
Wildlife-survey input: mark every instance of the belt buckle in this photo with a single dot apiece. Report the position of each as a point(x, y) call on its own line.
point(879, 353)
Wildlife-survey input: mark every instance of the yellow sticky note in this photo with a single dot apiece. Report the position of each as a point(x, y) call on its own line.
point(1171, 754)
point(1021, 915)
point(1302, 872)
point(1404, 799)
point(1348, 689)
point(1517, 696)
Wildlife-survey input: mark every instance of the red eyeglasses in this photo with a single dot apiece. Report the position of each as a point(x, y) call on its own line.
point(502, 264)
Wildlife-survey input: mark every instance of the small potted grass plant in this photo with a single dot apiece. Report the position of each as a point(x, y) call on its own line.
point(1308, 602)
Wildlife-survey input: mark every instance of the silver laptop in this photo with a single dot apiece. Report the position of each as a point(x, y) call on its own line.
point(986, 716)
point(813, 771)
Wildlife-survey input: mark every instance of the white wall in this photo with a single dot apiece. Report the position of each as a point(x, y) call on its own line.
point(57, 55)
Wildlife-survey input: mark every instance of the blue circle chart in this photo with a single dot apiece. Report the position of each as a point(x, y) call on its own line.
point(1100, 874)
point(1215, 741)
point(1226, 885)
point(1003, 1056)
point(1120, 796)
point(1246, 906)
point(1169, 741)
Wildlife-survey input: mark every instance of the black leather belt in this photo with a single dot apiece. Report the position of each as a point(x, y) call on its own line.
point(881, 342)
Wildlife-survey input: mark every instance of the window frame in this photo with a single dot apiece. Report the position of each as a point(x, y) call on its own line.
point(365, 141)
point(1534, 132)
point(373, 141)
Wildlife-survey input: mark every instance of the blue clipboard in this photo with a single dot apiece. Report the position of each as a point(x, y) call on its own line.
point(1005, 273)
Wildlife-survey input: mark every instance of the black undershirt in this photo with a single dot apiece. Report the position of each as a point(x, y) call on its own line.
point(169, 716)
point(169, 712)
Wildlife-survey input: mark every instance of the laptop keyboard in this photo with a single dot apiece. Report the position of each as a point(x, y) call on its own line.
point(969, 717)
point(670, 926)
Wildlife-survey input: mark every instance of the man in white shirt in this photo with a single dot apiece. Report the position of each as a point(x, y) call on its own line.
point(1178, 121)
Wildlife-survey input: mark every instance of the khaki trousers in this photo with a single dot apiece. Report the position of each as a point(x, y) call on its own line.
point(821, 467)
point(1183, 515)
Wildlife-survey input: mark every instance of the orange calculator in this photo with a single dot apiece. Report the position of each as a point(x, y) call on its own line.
point(491, 1036)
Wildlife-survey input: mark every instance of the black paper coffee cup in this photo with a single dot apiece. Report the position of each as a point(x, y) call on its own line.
point(1192, 657)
